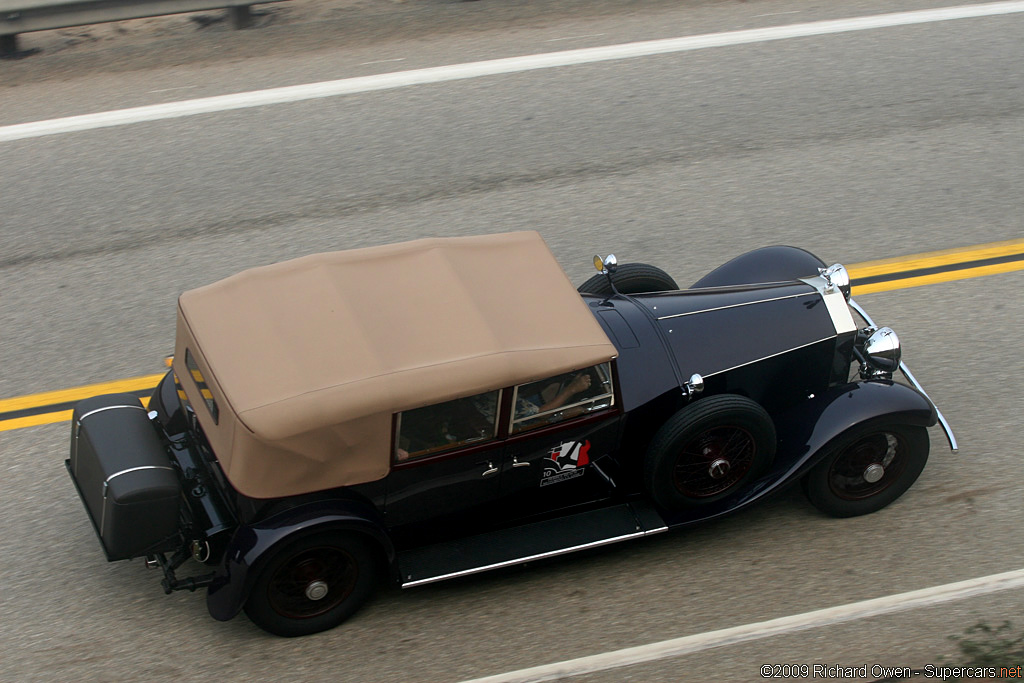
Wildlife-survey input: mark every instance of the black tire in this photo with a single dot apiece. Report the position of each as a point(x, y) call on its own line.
point(342, 566)
point(708, 450)
point(631, 278)
point(843, 484)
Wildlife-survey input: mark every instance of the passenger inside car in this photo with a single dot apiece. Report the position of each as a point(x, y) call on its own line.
point(549, 394)
point(435, 428)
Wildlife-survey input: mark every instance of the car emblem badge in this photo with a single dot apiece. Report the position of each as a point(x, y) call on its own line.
point(565, 461)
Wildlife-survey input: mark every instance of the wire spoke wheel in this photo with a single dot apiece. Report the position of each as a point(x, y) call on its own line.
point(867, 468)
point(312, 583)
point(714, 461)
point(708, 450)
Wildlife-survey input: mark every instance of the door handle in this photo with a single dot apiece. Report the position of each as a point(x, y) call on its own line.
point(491, 469)
point(516, 463)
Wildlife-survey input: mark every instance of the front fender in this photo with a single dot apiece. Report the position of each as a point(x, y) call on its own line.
point(250, 546)
point(805, 430)
point(767, 264)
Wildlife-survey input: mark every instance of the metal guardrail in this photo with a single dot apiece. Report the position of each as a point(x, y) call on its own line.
point(24, 16)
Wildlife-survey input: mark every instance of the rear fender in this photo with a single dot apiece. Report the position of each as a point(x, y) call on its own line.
point(804, 431)
point(252, 545)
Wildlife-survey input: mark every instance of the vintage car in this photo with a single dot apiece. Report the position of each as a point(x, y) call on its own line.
point(442, 407)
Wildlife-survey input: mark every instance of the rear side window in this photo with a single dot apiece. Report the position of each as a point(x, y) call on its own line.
point(204, 389)
point(441, 427)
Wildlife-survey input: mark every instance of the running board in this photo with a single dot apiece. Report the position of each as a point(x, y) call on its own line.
point(529, 542)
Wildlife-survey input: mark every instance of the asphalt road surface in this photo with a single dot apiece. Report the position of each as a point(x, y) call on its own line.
point(857, 145)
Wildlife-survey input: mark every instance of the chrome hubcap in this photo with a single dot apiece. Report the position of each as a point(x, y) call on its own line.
point(317, 590)
point(719, 468)
point(874, 472)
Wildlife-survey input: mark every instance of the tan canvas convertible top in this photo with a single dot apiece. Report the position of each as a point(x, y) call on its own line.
point(308, 359)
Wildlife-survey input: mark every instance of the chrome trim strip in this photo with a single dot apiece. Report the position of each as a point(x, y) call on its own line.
point(76, 427)
point(750, 284)
point(100, 410)
point(756, 360)
point(530, 558)
point(106, 482)
point(133, 469)
point(745, 303)
point(953, 445)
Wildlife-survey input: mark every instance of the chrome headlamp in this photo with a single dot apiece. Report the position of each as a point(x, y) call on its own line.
point(836, 277)
point(880, 352)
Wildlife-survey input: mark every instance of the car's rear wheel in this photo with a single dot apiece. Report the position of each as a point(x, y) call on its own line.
point(631, 278)
point(867, 468)
point(708, 450)
point(312, 584)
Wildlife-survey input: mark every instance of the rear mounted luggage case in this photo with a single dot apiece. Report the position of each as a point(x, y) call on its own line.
point(124, 476)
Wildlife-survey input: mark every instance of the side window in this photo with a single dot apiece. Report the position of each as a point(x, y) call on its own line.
point(204, 389)
point(562, 397)
point(436, 428)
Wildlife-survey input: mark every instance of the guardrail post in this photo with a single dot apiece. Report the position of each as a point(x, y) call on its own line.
point(9, 45)
point(240, 16)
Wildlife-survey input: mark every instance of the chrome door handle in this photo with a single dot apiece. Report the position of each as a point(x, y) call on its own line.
point(491, 469)
point(516, 463)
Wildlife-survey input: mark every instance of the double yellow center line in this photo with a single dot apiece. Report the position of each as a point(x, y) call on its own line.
point(56, 406)
point(937, 266)
point(874, 276)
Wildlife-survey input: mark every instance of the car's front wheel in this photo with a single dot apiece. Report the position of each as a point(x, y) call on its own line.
point(708, 450)
point(867, 469)
point(312, 584)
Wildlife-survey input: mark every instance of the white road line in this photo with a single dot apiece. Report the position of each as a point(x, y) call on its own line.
point(926, 597)
point(589, 35)
point(400, 79)
point(383, 61)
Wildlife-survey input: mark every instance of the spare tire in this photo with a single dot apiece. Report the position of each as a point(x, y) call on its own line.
point(631, 278)
point(708, 450)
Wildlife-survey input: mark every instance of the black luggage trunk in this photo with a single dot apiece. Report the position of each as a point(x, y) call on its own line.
point(125, 477)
